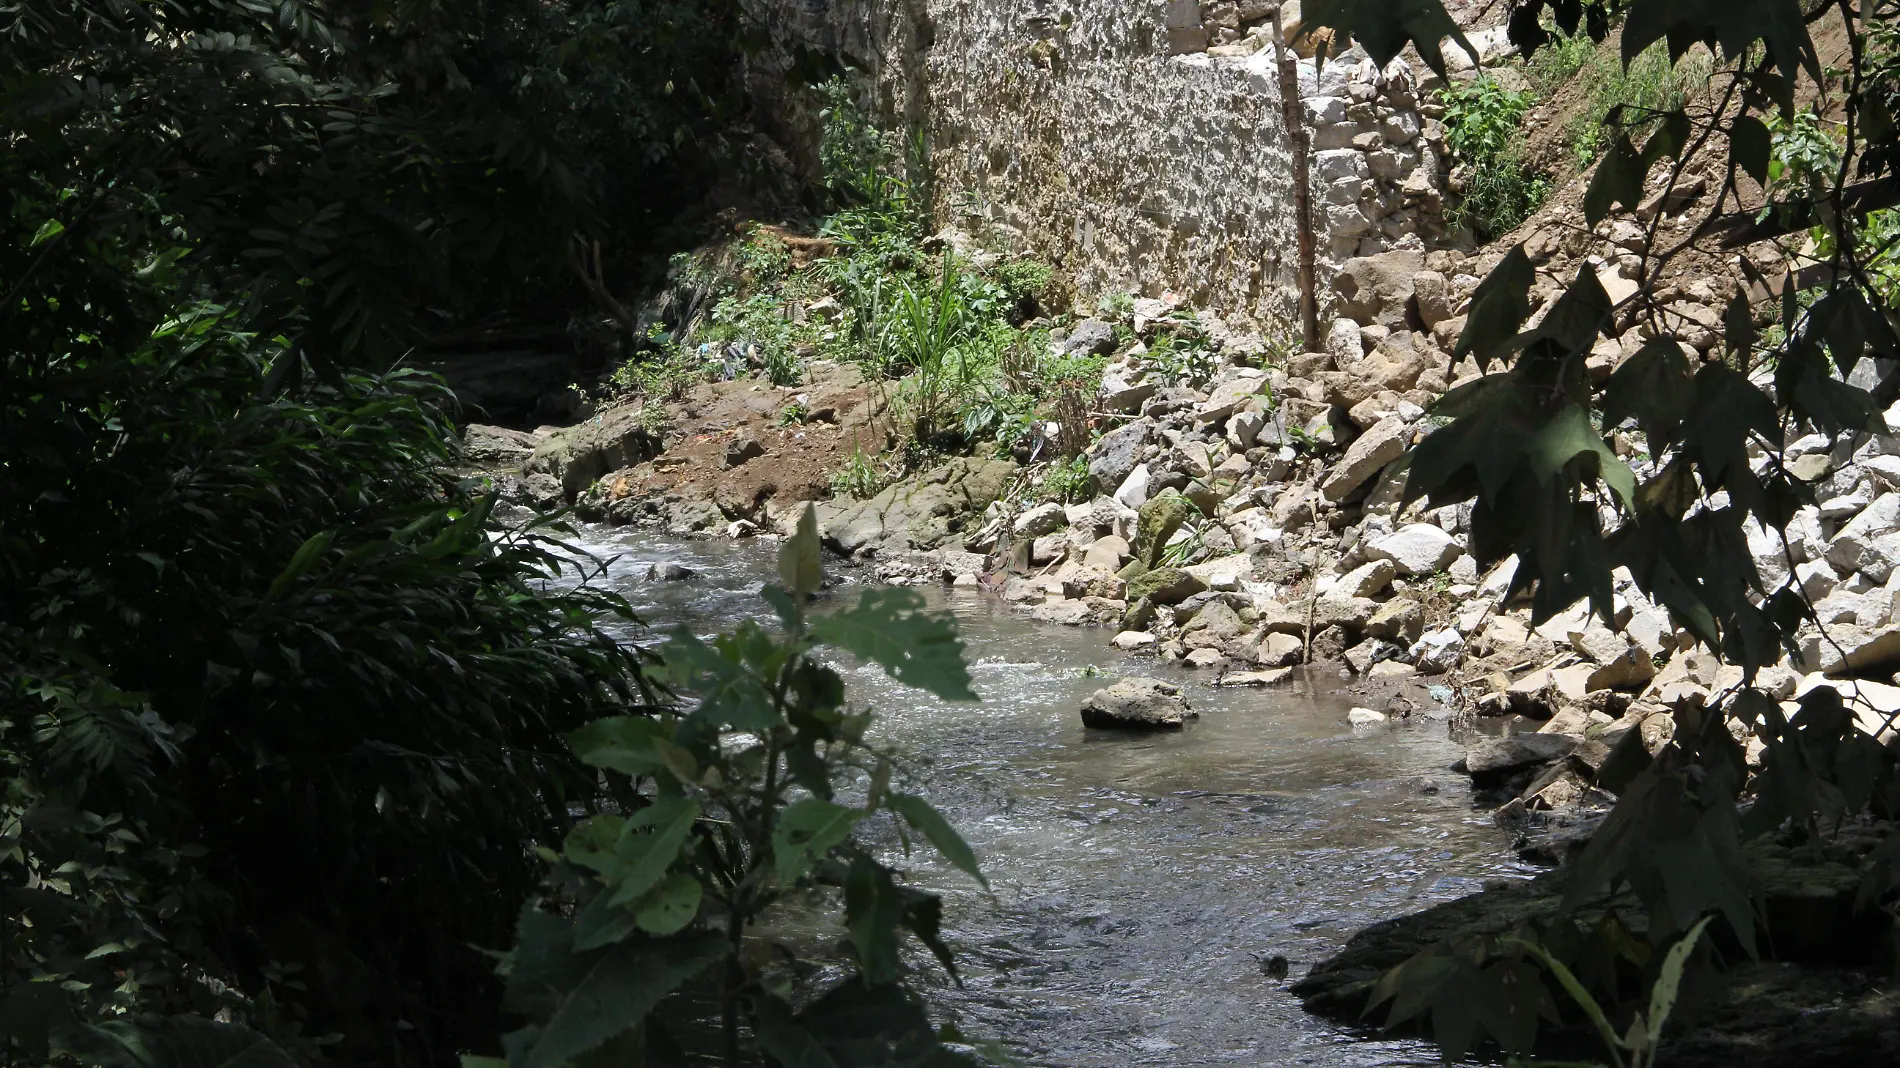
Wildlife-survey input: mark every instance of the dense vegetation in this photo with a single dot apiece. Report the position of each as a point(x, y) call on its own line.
point(1660, 470)
point(282, 710)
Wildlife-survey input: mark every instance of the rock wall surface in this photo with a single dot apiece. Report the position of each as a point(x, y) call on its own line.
point(1139, 146)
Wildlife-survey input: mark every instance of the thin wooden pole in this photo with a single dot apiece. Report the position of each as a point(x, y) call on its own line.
point(1302, 180)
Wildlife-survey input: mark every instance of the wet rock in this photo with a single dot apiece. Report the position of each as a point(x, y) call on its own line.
point(1040, 520)
point(1331, 644)
point(1164, 586)
point(1280, 650)
point(1205, 658)
point(1130, 641)
point(1367, 580)
point(1362, 718)
point(1217, 620)
point(1399, 620)
point(1156, 522)
point(1270, 677)
point(668, 572)
point(1229, 396)
point(1438, 652)
point(917, 514)
point(1378, 289)
point(1224, 574)
point(1491, 761)
point(1136, 703)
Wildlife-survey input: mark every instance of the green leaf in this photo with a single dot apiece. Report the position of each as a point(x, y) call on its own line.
point(1749, 147)
point(807, 830)
point(48, 230)
point(781, 1035)
point(1654, 386)
point(1568, 436)
point(620, 743)
point(889, 627)
point(195, 1042)
point(644, 857)
point(1498, 308)
point(671, 905)
point(602, 923)
point(800, 566)
point(586, 999)
point(854, 1025)
point(301, 562)
point(930, 823)
point(1662, 996)
point(730, 695)
point(1385, 27)
point(873, 908)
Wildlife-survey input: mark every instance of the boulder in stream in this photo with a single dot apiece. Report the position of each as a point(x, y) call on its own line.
point(1137, 703)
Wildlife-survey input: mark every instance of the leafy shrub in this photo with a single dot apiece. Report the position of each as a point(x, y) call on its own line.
point(731, 808)
point(1067, 481)
point(1484, 131)
point(279, 689)
point(1023, 280)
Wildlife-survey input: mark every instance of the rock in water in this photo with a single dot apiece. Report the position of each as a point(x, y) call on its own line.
point(1136, 703)
point(1492, 760)
point(668, 573)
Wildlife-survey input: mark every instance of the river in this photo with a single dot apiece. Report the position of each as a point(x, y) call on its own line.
point(1139, 879)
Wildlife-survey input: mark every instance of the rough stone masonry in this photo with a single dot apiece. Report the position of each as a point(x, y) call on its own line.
point(1140, 145)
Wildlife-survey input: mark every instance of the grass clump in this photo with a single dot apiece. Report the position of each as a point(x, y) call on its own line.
point(1651, 86)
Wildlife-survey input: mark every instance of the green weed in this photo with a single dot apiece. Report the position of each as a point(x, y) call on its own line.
point(1484, 130)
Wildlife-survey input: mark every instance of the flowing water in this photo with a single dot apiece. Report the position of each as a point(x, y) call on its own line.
point(1139, 879)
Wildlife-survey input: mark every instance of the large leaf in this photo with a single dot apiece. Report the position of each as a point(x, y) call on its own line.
point(620, 743)
point(670, 906)
point(1734, 25)
point(1618, 180)
point(807, 830)
point(1568, 436)
point(730, 695)
point(928, 821)
point(1654, 386)
point(800, 566)
point(1385, 27)
point(648, 845)
point(855, 1025)
point(196, 1042)
point(889, 627)
point(873, 909)
point(1498, 308)
point(588, 998)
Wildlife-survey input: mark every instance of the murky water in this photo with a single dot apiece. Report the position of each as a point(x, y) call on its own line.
point(1138, 879)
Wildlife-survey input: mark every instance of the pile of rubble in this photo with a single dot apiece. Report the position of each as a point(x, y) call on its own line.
point(1253, 525)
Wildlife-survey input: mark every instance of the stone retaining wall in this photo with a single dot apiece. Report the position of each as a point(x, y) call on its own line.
point(1136, 145)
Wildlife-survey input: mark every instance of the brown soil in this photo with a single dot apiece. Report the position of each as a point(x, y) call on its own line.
point(706, 429)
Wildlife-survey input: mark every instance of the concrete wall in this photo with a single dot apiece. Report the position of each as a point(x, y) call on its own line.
point(1105, 138)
